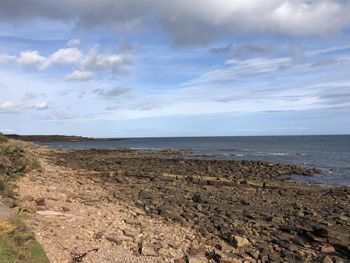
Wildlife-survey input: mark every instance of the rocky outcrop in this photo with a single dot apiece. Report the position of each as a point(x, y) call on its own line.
point(181, 210)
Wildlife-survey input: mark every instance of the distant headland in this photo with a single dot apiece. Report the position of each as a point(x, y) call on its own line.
point(51, 138)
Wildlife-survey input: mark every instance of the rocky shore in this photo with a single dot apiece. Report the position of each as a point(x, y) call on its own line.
point(131, 206)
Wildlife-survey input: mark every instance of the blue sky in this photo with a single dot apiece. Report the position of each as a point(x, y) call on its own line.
point(174, 68)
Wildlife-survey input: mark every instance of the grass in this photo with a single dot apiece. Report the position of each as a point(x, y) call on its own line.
point(3, 138)
point(17, 242)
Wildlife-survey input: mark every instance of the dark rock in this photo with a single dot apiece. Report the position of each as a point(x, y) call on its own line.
point(198, 197)
point(40, 201)
point(114, 240)
point(145, 195)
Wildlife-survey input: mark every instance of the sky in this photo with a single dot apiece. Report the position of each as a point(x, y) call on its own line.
point(154, 68)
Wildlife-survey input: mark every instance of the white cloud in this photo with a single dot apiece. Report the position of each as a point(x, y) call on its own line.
point(30, 58)
point(78, 75)
point(115, 63)
point(192, 22)
point(14, 106)
point(73, 42)
point(6, 58)
point(63, 57)
point(93, 61)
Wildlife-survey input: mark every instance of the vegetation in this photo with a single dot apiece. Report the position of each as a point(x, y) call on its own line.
point(16, 159)
point(3, 139)
point(17, 242)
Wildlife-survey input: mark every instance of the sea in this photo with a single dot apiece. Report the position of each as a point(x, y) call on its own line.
point(329, 153)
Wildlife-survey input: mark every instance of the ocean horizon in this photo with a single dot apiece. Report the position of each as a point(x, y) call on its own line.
point(329, 153)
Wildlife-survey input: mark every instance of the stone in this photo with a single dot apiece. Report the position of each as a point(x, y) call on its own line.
point(197, 259)
point(65, 209)
point(327, 249)
point(40, 201)
point(344, 218)
point(28, 198)
point(148, 249)
point(11, 203)
point(321, 232)
point(131, 232)
point(327, 259)
point(198, 197)
point(114, 240)
point(30, 208)
point(240, 241)
point(132, 221)
point(143, 194)
point(174, 245)
point(194, 251)
point(180, 260)
point(172, 215)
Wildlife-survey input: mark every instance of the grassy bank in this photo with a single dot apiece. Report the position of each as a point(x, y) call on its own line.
point(17, 242)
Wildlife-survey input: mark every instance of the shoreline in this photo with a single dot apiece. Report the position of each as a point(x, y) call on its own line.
point(160, 207)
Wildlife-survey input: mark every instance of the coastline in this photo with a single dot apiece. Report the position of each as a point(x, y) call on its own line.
point(159, 207)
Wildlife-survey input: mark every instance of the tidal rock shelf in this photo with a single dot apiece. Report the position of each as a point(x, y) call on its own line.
point(164, 207)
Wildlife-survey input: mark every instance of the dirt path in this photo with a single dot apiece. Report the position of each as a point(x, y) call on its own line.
point(77, 221)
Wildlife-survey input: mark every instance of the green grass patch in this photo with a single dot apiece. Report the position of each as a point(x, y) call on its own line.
point(18, 244)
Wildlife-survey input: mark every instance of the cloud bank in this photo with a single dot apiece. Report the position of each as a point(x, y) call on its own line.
point(192, 22)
